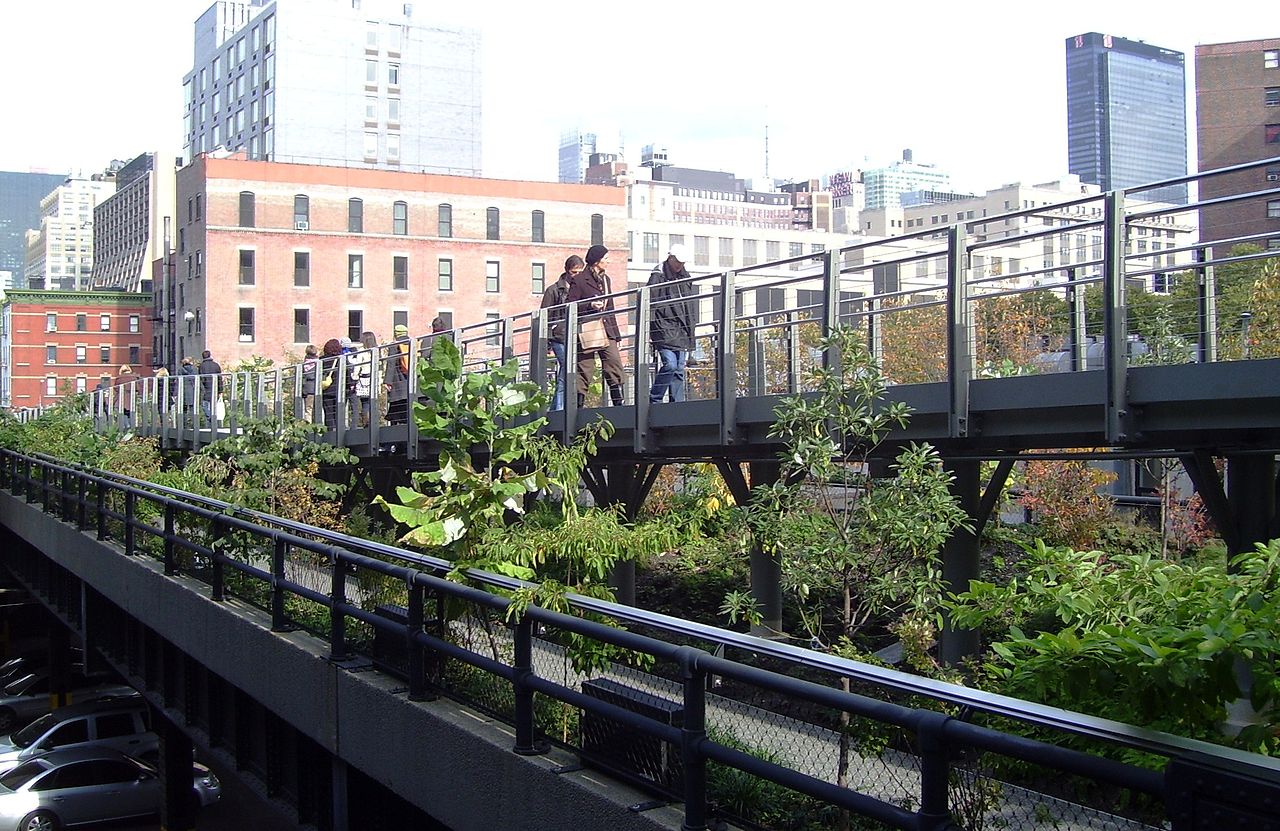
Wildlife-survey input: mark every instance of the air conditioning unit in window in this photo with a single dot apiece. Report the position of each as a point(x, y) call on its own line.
point(301, 226)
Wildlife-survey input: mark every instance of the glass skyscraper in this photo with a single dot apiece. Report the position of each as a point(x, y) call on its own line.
point(1126, 114)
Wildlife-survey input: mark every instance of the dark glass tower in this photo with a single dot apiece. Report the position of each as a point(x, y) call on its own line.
point(1126, 114)
point(20, 195)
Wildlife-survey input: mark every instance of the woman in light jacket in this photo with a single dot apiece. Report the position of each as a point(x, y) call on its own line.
point(360, 366)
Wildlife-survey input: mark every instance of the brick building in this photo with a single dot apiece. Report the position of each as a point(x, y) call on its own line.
point(273, 256)
point(55, 341)
point(1238, 121)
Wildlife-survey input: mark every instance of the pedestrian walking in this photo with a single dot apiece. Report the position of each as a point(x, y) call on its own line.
point(554, 299)
point(396, 377)
point(310, 380)
point(331, 381)
point(210, 384)
point(599, 333)
point(671, 318)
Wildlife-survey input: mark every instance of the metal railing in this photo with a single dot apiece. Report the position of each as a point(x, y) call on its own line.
point(506, 666)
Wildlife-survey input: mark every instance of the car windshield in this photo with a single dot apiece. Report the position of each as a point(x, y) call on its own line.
point(34, 730)
point(19, 686)
point(22, 774)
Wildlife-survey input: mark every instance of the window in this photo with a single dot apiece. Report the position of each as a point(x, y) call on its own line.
point(246, 325)
point(371, 145)
point(1271, 59)
point(371, 36)
point(51, 354)
point(399, 317)
point(82, 322)
point(492, 280)
point(302, 326)
point(199, 206)
point(113, 725)
point(371, 109)
point(539, 227)
point(702, 250)
point(301, 213)
point(539, 278)
point(400, 273)
point(445, 275)
point(772, 251)
point(246, 267)
point(491, 222)
point(400, 219)
point(51, 386)
point(104, 323)
point(597, 229)
point(393, 147)
point(444, 225)
point(1273, 209)
point(135, 354)
point(393, 110)
point(371, 73)
point(302, 268)
point(355, 216)
point(51, 322)
point(246, 209)
point(493, 328)
point(355, 324)
point(135, 324)
point(1271, 96)
point(355, 271)
point(393, 75)
point(726, 252)
point(104, 354)
point(82, 383)
point(1273, 174)
point(650, 246)
point(447, 319)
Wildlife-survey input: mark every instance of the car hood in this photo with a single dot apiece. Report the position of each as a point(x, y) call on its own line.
point(8, 750)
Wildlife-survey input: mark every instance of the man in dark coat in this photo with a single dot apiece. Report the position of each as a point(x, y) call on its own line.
point(554, 298)
point(671, 317)
point(589, 291)
point(210, 383)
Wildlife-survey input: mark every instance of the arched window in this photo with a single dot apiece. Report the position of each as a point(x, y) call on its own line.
point(301, 213)
point(597, 229)
point(246, 209)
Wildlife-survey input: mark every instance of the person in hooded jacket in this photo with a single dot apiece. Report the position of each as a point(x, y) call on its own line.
point(672, 314)
point(187, 377)
point(331, 381)
point(590, 292)
point(554, 298)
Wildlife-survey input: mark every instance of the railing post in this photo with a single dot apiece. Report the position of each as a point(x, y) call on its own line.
point(830, 298)
point(641, 440)
point(217, 579)
point(337, 598)
point(170, 560)
point(341, 407)
point(755, 359)
point(538, 350)
point(959, 354)
point(411, 398)
point(570, 373)
point(1206, 309)
point(44, 488)
point(232, 409)
point(375, 410)
point(793, 353)
point(935, 773)
point(278, 553)
point(523, 666)
point(692, 734)
point(1114, 312)
point(726, 362)
point(130, 506)
point(875, 343)
point(417, 672)
point(101, 499)
point(82, 497)
point(1075, 345)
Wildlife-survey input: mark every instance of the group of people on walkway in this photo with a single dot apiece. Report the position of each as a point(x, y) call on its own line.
point(672, 316)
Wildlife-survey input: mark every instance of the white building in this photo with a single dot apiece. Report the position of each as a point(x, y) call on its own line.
point(129, 226)
point(60, 251)
point(334, 82)
point(884, 185)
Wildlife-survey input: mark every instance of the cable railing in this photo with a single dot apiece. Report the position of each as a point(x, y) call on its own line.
point(666, 728)
point(949, 304)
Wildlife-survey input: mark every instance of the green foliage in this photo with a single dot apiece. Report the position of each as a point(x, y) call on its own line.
point(65, 431)
point(1067, 500)
point(1138, 639)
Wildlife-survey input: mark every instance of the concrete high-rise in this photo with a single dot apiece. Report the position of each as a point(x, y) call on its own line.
point(334, 83)
point(576, 149)
point(129, 226)
point(1126, 114)
point(20, 195)
point(884, 186)
point(60, 252)
point(1238, 121)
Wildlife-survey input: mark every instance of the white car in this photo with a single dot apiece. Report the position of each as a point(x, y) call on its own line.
point(87, 787)
point(27, 698)
point(120, 723)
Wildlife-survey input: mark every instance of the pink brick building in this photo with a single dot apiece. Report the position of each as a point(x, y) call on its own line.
point(271, 256)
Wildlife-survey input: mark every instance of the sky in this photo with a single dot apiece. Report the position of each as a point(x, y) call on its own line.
point(977, 88)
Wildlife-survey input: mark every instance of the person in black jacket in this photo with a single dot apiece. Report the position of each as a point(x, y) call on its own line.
point(589, 291)
point(331, 380)
point(671, 317)
point(210, 383)
point(554, 299)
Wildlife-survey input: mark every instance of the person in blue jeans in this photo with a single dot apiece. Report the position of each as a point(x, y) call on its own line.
point(672, 315)
point(554, 298)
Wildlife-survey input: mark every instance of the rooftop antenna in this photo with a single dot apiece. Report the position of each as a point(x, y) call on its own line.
point(766, 150)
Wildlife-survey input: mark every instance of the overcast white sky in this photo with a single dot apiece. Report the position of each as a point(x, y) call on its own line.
point(977, 88)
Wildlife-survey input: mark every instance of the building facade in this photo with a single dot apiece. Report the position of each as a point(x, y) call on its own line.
point(271, 257)
point(338, 83)
point(57, 342)
point(1126, 114)
point(576, 150)
point(20, 195)
point(1238, 121)
point(60, 251)
point(884, 186)
point(130, 226)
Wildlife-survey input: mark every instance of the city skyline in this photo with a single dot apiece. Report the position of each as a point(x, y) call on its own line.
point(983, 100)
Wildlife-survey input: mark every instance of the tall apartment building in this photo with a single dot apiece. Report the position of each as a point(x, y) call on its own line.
point(20, 195)
point(1126, 114)
point(55, 342)
point(884, 186)
point(271, 257)
point(129, 226)
point(1238, 121)
point(332, 82)
point(576, 150)
point(60, 252)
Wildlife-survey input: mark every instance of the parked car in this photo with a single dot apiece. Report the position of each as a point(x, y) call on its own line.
point(27, 698)
point(86, 786)
point(121, 723)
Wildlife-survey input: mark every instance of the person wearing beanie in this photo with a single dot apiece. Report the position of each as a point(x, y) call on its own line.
point(591, 292)
point(671, 318)
point(554, 299)
point(395, 377)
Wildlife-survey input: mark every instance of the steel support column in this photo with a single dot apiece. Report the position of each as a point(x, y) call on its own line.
point(1114, 319)
point(1206, 309)
point(627, 485)
point(177, 810)
point(766, 567)
point(1251, 492)
point(960, 558)
point(959, 333)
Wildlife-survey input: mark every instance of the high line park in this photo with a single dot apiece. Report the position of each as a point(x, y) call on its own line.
point(257, 634)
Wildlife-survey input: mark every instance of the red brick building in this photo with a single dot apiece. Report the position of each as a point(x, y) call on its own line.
point(272, 256)
point(52, 342)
